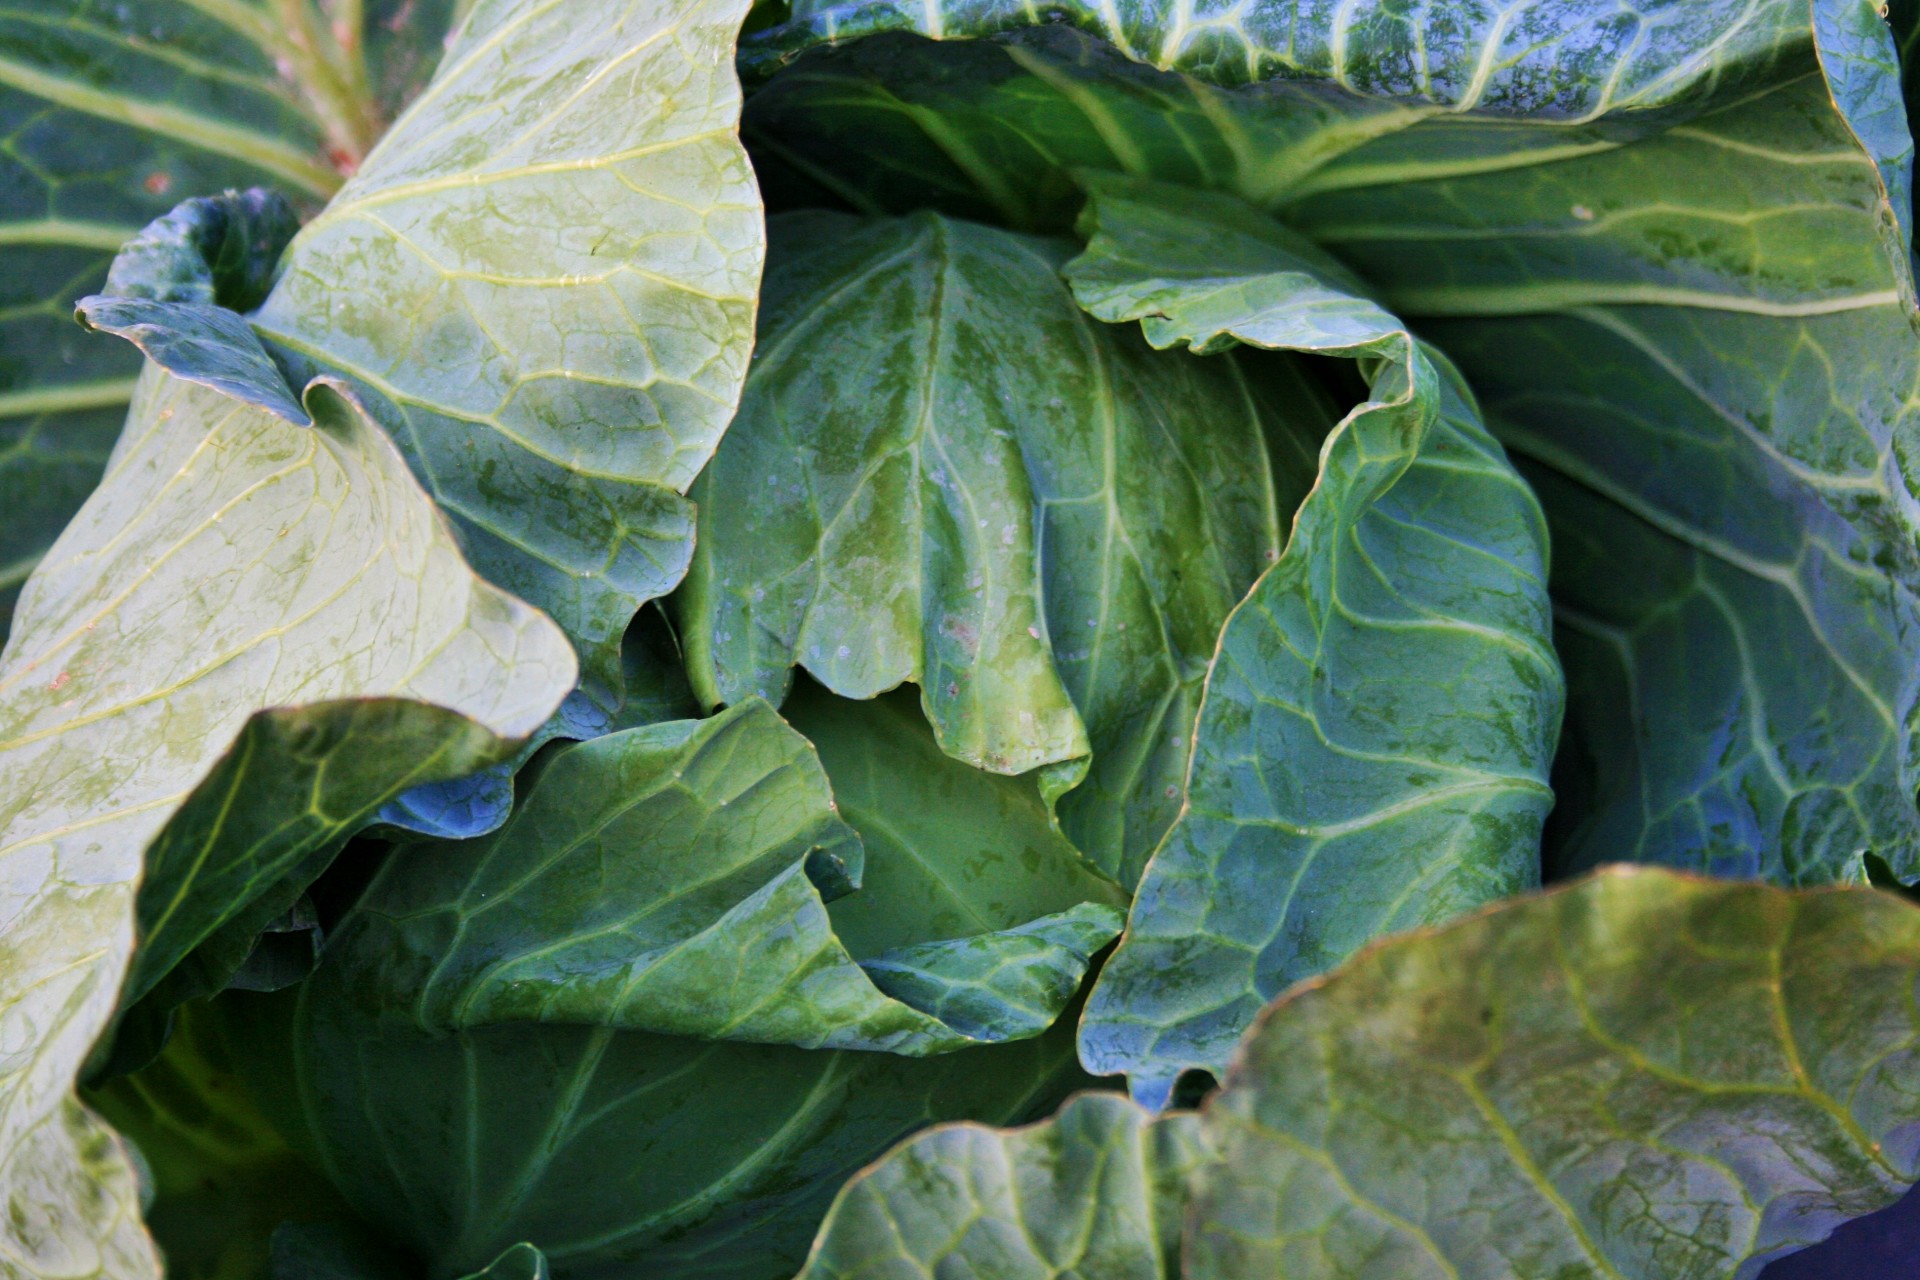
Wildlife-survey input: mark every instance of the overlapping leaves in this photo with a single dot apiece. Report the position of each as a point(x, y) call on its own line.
point(110, 114)
point(543, 284)
point(678, 915)
point(1695, 1077)
point(676, 879)
point(1379, 721)
point(1032, 516)
point(1645, 255)
point(230, 562)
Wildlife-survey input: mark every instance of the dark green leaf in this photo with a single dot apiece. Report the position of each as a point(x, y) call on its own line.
point(1373, 746)
point(674, 879)
point(315, 1251)
point(543, 285)
point(521, 1262)
point(221, 1179)
point(616, 1152)
point(1270, 101)
point(268, 819)
point(1032, 516)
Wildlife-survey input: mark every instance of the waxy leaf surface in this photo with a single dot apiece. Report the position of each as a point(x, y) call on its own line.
point(110, 114)
point(542, 283)
point(1675, 269)
point(1373, 746)
point(675, 878)
point(229, 563)
point(478, 997)
point(1034, 517)
point(1096, 1192)
point(1642, 1074)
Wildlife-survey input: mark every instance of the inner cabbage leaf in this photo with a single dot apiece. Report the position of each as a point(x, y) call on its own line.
point(1674, 268)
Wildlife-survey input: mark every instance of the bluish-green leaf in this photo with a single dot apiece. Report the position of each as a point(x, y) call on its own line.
point(1373, 746)
point(176, 291)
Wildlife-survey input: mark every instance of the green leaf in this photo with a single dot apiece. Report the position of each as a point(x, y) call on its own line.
point(111, 113)
point(1721, 373)
point(267, 820)
point(521, 1262)
point(951, 851)
point(329, 1251)
point(229, 563)
point(220, 1177)
point(1640, 1075)
point(1373, 746)
point(176, 290)
point(616, 1152)
point(674, 879)
point(1269, 102)
point(1094, 1193)
point(1675, 269)
point(543, 284)
point(1032, 516)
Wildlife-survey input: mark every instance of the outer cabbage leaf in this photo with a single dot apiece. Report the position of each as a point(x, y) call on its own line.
point(230, 562)
point(1639, 1075)
point(1721, 393)
point(1642, 1074)
point(1270, 102)
point(299, 780)
point(1676, 267)
point(1373, 746)
point(612, 1151)
point(109, 114)
point(675, 879)
point(542, 283)
point(1097, 1192)
point(1032, 516)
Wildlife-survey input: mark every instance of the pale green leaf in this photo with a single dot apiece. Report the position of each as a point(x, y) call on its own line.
point(1096, 1192)
point(110, 114)
point(229, 563)
point(542, 282)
